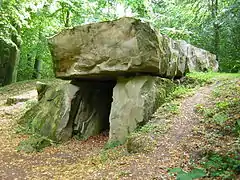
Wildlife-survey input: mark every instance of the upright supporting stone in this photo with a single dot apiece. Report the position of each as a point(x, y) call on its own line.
point(134, 101)
point(50, 116)
point(81, 108)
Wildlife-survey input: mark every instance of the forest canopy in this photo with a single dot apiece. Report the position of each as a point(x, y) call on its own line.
point(209, 24)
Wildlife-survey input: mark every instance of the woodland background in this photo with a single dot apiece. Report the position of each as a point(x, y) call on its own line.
point(209, 24)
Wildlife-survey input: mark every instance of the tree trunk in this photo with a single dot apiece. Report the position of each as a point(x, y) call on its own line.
point(67, 21)
point(37, 68)
point(216, 27)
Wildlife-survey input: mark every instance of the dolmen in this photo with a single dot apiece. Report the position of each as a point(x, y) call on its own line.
point(115, 75)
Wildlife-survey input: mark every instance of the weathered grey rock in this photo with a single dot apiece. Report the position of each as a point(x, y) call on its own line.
point(9, 57)
point(80, 108)
point(212, 63)
point(106, 50)
point(50, 116)
point(197, 59)
point(125, 46)
point(41, 89)
point(27, 96)
point(134, 101)
point(103, 54)
point(177, 60)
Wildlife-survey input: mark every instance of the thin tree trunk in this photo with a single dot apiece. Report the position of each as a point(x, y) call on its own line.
point(67, 21)
point(216, 43)
point(37, 69)
point(37, 62)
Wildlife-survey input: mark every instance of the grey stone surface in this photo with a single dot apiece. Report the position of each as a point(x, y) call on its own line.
point(50, 116)
point(134, 101)
point(81, 108)
point(125, 46)
point(116, 68)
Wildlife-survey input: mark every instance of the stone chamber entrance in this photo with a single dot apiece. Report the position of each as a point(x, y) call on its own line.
point(90, 109)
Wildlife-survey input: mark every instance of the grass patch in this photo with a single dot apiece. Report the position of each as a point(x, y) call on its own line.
point(35, 143)
point(224, 166)
point(210, 77)
point(184, 175)
point(223, 111)
point(221, 128)
point(181, 91)
point(218, 134)
point(112, 144)
point(23, 130)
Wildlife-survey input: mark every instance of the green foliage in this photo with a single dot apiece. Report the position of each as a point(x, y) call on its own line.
point(223, 166)
point(28, 23)
point(34, 143)
point(183, 175)
point(180, 92)
point(202, 77)
point(223, 112)
point(171, 107)
point(220, 118)
point(23, 130)
point(112, 144)
point(236, 128)
point(147, 128)
point(209, 77)
point(198, 21)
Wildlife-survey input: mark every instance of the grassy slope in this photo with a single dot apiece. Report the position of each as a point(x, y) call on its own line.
point(215, 142)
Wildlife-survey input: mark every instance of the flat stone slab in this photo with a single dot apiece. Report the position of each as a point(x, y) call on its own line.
point(30, 95)
point(124, 47)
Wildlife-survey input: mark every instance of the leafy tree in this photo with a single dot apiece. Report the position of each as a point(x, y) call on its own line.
point(209, 24)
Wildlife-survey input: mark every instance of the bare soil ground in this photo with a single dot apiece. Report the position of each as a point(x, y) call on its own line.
point(87, 159)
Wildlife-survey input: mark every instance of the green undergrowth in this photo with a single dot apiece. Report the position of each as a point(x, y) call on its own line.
point(223, 111)
point(219, 130)
point(225, 166)
point(211, 77)
point(112, 145)
point(222, 118)
point(34, 143)
point(184, 175)
point(144, 138)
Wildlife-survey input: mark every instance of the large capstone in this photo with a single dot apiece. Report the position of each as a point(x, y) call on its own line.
point(126, 46)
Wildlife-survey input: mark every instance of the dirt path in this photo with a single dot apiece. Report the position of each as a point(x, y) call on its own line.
point(86, 160)
point(171, 151)
point(185, 121)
